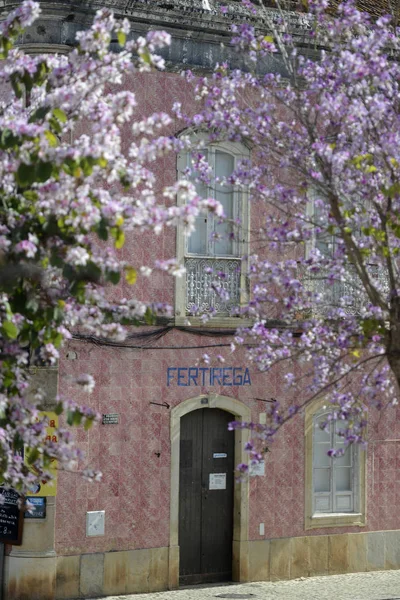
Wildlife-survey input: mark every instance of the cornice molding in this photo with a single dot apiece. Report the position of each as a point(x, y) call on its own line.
point(200, 32)
point(193, 16)
point(45, 48)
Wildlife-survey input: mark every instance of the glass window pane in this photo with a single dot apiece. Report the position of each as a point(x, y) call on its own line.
point(320, 435)
point(340, 426)
point(201, 189)
point(345, 460)
point(223, 238)
point(197, 242)
point(344, 503)
point(224, 165)
point(322, 480)
point(324, 243)
point(323, 240)
point(194, 172)
point(321, 458)
point(343, 479)
point(323, 504)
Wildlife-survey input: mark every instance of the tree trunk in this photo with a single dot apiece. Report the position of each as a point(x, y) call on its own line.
point(393, 347)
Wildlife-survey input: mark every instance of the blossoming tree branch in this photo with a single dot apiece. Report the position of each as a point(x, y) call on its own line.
point(66, 199)
point(325, 140)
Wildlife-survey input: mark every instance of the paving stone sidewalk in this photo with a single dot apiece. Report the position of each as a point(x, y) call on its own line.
point(379, 585)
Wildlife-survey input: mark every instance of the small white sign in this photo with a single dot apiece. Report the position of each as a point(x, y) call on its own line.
point(110, 419)
point(220, 455)
point(257, 470)
point(217, 481)
point(95, 522)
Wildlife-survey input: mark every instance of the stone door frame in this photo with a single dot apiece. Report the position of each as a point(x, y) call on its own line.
point(240, 543)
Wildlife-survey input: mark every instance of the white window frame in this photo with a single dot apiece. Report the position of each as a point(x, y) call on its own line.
point(347, 287)
point(315, 519)
point(327, 502)
point(338, 288)
point(241, 245)
point(212, 246)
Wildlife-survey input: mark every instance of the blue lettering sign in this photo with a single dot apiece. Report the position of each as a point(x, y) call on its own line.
point(208, 376)
point(170, 375)
point(227, 376)
point(237, 376)
point(193, 375)
point(216, 376)
point(246, 379)
point(181, 376)
point(203, 371)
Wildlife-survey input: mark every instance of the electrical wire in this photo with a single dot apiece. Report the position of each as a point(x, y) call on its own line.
point(149, 337)
point(146, 337)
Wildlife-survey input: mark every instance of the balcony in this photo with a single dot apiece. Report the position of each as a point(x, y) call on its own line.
point(212, 285)
point(348, 293)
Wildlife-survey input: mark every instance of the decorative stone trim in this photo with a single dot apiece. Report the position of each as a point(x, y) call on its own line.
point(240, 411)
point(45, 48)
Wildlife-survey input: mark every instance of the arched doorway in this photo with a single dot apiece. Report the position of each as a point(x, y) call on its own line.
point(206, 482)
point(234, 410)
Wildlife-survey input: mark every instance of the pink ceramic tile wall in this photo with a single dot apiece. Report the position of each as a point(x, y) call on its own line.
point(134, 455)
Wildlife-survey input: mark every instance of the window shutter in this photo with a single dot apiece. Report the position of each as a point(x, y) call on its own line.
point(333, 478)
point(224, 166)
point(343, 474)
point(322, 468)
point(198, 240)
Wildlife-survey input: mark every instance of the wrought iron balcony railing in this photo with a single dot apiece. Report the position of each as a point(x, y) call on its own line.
point(347, 292)
point(212, 285)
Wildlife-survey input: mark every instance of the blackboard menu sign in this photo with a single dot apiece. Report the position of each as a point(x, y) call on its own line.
point(11, 517)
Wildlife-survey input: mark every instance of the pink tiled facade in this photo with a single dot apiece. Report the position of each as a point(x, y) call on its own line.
point(135, 487)
point(135, 491)
point(134, 455)
point(138, 552)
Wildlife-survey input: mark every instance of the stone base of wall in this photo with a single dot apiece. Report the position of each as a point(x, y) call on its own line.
point(29, 577)
point(308, 556)
point(135, 571)
point(109, 573)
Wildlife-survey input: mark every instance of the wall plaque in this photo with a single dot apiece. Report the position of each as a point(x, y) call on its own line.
point(11, 518)
point(110, 419)
point(39, 508)
point(217, 481)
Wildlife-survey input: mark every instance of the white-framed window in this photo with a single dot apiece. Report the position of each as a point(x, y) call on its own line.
point(334, 486)
point(345, 291)
point(213, 254)
point(334, 479)
point(213, 237)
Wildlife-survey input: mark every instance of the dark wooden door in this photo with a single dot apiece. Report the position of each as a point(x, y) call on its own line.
point(206, 497)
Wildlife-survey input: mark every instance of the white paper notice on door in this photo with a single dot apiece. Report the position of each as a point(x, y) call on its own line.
point(217, 481)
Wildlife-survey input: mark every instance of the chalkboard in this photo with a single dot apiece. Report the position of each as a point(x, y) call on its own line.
point(11, 518)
